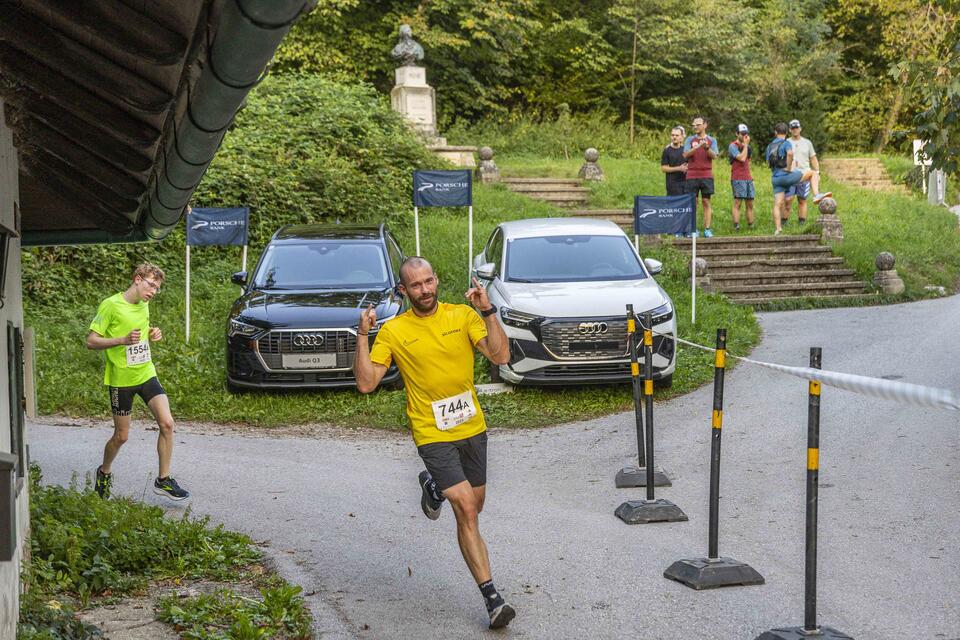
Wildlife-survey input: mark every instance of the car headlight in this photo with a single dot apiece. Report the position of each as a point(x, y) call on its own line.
point(239, 328)
point(663, 313)
point(518, 319)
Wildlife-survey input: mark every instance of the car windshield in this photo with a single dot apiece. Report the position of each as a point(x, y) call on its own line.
point(323, 265)
point(575, 258)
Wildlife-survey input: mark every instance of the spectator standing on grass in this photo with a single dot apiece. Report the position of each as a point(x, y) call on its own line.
point(673, 163)
point(741, 181)
point(700, 150)
point(805, 159)
point(779, 155)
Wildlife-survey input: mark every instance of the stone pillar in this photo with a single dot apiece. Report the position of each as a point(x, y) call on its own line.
point(590, 169)
point(703, 276)
point(829, 221)
point(886, 278)
point(412, 97)
point(487, 171)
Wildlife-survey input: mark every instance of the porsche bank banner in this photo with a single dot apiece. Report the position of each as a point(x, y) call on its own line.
point(218, 226)
point(442, 188)
point(664, 214)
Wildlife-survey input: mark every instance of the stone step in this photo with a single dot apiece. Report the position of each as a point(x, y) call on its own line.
point(783, 252)
point(797, 289)
point(559, 196)
point(761, 300)
point(724, 281)
point(771, 243)
point(720, 267)
point(533, 189)
point(542, 181)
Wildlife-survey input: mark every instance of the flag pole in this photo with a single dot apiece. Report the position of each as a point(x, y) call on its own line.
point(693, 282)
point(469, 244)
point(188, 295)
point(416, 226)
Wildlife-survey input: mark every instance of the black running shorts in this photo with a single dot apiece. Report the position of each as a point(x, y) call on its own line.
point(121, 398)
point(451, 463)
point(703, 186)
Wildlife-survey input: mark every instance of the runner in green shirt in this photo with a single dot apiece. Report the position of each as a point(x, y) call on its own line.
point(122, 331)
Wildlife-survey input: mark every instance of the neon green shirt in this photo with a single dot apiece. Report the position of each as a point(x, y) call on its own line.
point(127, 365)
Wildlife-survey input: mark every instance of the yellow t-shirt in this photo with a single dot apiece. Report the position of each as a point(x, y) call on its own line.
point(435, 358)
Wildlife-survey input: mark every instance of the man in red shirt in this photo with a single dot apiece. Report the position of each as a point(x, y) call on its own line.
point(700, 150)
point(740, 179)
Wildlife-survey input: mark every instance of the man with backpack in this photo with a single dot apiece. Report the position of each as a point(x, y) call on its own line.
point(779, 155)
point(739, 153)
point(804, 157)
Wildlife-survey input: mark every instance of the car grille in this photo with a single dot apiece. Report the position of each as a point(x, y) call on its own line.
point(574, 372)
point(564, 339)
point(276, 343)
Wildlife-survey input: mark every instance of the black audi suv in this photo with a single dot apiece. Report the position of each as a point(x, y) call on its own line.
point(295, 325)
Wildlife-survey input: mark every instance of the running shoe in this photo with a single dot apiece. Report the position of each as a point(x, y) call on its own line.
point(736, 226)
point(501, 616)
point(431, 500)
point(777, 232)
point(168, 487)
point(820, 196)
point(103, 483)
point(707, 233)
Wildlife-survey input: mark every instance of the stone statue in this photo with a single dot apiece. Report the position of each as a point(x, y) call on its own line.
point(408, 51)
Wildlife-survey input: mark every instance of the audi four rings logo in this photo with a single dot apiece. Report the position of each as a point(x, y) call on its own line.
point(308, 340)
point(589, 328)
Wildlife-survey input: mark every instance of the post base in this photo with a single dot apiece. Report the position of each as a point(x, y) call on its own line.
point(646, 511)
point(637, 477)
point(710, 573)
point(799, 633)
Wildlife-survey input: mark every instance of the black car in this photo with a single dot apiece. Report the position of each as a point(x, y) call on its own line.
point(295, 326)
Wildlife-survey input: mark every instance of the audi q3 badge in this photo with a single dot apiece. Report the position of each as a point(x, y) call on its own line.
point(308, 340)
point(592, 328)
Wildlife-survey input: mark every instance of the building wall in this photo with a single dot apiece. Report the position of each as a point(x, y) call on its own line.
point(12, 310)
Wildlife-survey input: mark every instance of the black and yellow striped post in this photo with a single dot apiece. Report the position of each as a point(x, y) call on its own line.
point(651, 509)
point(630, 476)
point(810, 628)
point(713, 571)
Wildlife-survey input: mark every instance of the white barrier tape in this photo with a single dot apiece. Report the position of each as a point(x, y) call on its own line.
point(904, 392)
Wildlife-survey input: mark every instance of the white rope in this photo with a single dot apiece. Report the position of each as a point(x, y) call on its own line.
point(903, 392)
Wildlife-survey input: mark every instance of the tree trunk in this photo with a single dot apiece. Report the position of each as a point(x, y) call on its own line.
point(633, 70)
point(892, 116)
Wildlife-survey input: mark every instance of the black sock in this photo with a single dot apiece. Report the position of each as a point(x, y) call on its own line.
point(490, 596)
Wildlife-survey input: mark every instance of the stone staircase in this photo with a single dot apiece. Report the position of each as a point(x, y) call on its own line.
point(562, 192)
point(866, 173)
point(757, 270)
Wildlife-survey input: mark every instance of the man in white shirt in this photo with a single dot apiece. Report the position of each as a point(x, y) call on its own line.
point(805, 159)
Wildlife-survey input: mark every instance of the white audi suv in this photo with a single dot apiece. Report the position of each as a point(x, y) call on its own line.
point(561, 286)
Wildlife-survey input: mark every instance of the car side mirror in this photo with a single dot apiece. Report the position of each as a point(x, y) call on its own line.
point(487, 271)
point(239, 278)
point(653, 266)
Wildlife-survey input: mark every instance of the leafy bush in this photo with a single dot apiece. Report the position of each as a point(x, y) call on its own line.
point(83, 546)
point(226, 615)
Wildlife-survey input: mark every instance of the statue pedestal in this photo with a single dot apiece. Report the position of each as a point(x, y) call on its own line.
point(413, 98)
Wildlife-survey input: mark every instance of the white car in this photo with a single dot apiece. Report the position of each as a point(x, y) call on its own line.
point(561, 286)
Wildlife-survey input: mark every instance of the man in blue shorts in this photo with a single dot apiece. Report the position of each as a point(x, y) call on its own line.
point(741, 181)
point(804, 158)
point(779, 155)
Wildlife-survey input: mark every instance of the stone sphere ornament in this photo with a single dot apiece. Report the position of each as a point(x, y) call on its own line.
point(885, 261)
point(591, 155)
point(486, 153)
point(828, 206)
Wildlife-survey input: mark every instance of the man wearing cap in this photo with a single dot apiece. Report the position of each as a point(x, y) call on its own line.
point(741, 181)
point(700, 150)
point(805, 159)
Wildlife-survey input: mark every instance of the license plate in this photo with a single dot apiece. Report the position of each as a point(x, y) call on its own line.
point(309, 360)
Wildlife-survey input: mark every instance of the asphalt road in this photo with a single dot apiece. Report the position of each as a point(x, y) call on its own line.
point(340, 511)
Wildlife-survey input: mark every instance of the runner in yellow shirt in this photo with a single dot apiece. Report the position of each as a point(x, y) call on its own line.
point(433, 345)
point(121, 329)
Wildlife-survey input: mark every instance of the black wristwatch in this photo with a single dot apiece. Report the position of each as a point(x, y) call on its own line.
point(489, 312)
